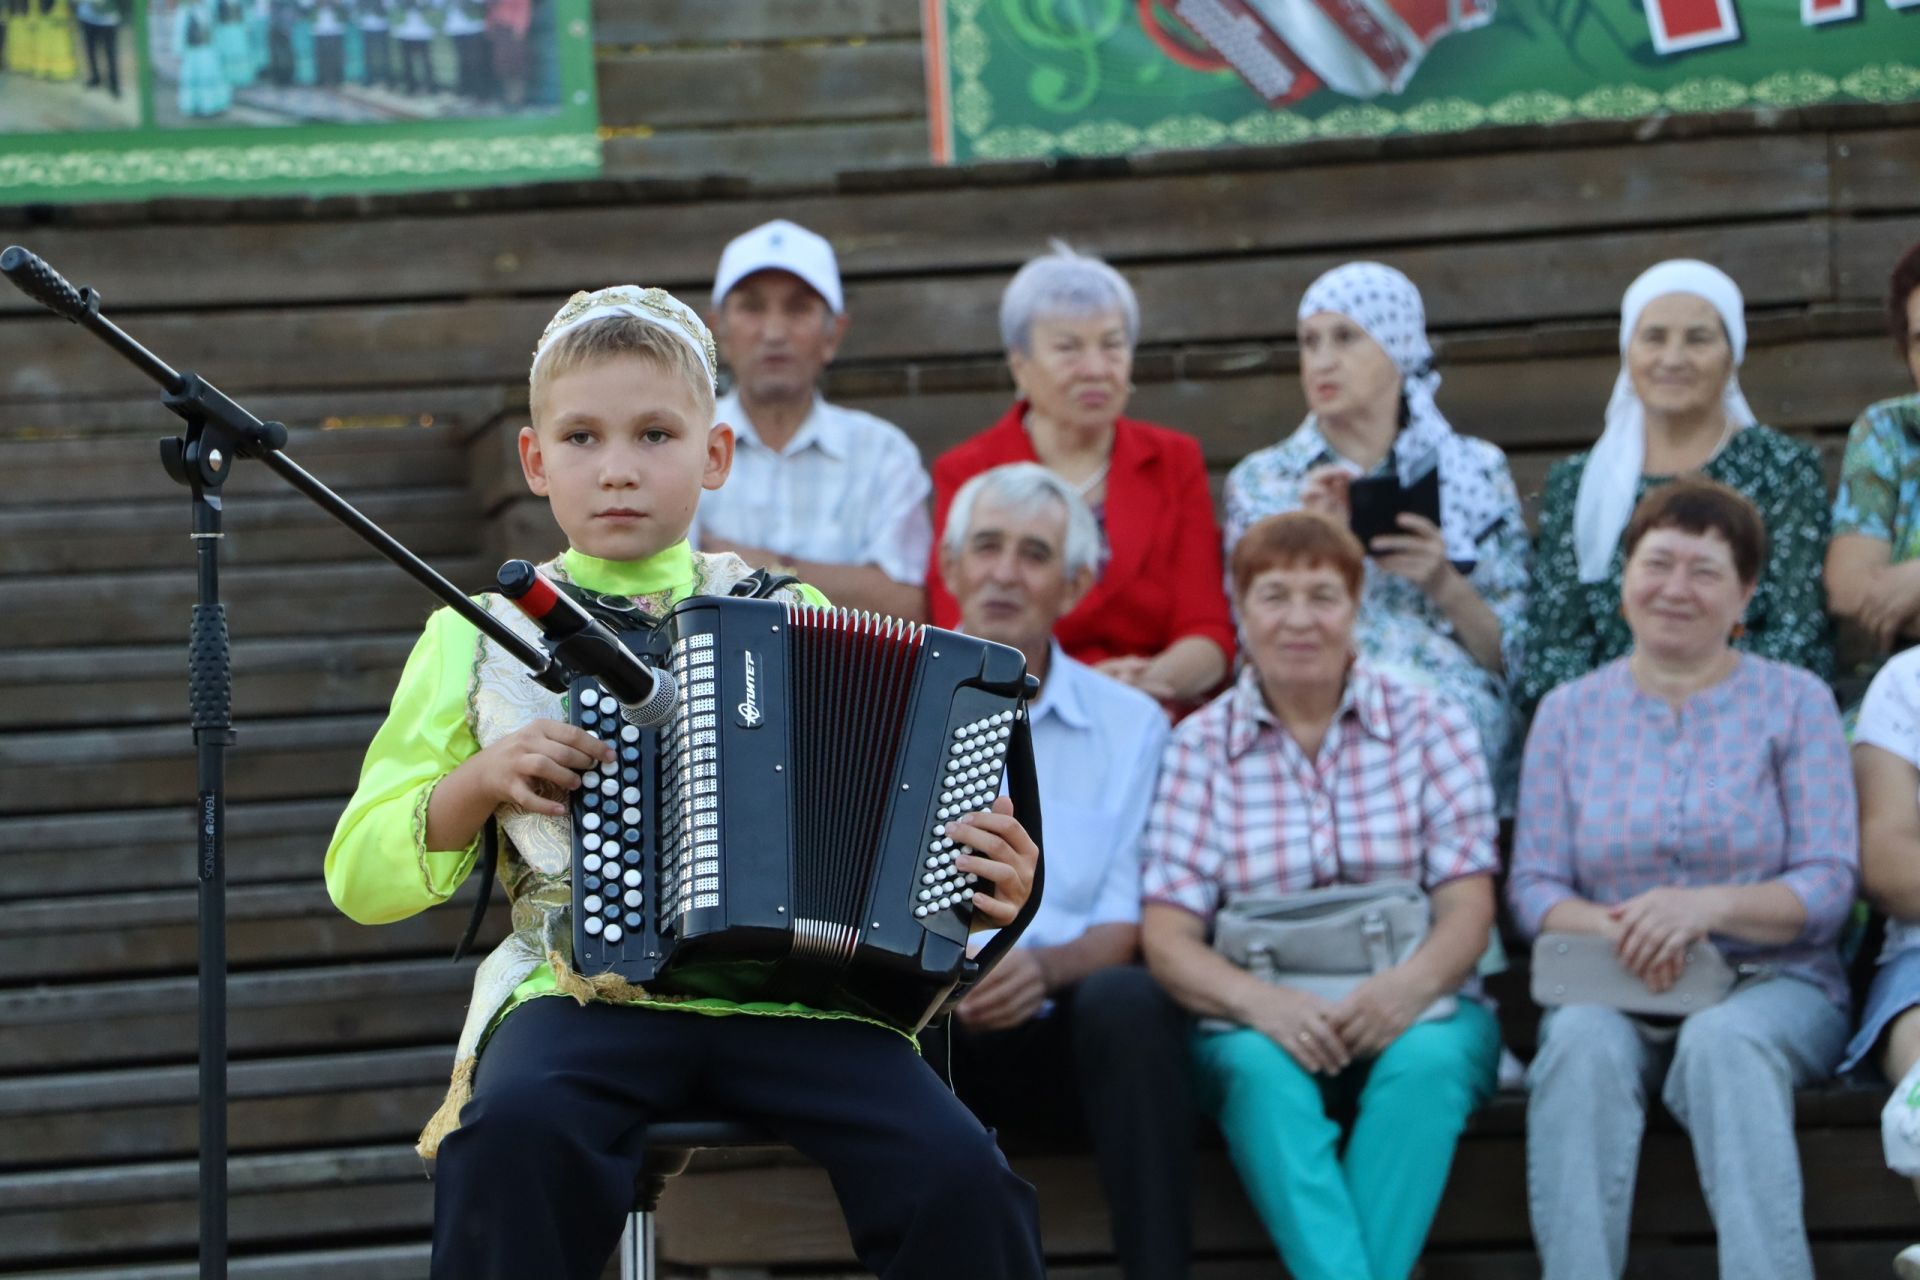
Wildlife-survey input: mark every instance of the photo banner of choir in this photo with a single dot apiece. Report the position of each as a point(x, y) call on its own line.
point(129, 99)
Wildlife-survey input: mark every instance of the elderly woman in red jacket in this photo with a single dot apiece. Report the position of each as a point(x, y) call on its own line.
point(1157, 618)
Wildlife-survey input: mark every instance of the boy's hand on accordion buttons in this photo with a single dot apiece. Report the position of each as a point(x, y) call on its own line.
point(1003, 856)
point(542, 759)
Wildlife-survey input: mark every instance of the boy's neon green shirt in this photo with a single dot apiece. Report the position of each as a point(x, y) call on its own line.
point(378, 868)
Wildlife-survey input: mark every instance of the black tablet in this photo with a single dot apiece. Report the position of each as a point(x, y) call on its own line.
point(1375, 504)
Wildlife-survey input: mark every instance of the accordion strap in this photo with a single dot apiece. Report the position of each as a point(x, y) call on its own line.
point(620, 615)
point(489, 855)
point(762, 583)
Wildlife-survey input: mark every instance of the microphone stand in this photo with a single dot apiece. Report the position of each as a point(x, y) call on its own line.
point(218, 434)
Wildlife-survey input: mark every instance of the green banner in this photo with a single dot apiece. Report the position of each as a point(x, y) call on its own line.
point(128, 99)
point(1024, 78)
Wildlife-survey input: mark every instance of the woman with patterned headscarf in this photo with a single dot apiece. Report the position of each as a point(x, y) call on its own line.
point(1440, 602)
point(1677, 407)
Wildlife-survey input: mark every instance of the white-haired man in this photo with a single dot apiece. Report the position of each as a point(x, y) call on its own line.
point(833, 495)
point(1068, 1035)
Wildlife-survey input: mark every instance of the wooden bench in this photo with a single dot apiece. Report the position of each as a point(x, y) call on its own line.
point(741, 1214)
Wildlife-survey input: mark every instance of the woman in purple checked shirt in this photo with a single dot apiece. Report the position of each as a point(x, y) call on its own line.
point(1686, 791)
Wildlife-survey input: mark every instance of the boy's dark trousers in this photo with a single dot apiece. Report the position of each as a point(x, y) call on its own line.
point(536, 1182)
point(1107, 1066)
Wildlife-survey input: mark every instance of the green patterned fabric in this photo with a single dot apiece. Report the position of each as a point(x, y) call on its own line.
point(1879, 495)
point(1573, 627)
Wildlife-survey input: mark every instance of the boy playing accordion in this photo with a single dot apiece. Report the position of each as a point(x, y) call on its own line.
point(540, 1138)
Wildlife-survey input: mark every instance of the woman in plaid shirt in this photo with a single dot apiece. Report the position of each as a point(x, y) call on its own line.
point(1312, 771)
point(1686, 791)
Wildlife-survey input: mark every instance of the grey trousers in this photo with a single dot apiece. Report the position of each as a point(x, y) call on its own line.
point(1730, 1072)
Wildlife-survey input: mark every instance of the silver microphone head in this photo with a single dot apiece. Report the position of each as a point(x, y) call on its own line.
point(658, 708)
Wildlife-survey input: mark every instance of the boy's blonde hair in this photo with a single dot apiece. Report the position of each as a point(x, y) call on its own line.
point(612, 337)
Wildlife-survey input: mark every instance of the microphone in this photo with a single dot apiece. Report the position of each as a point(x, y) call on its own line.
point(585, 644)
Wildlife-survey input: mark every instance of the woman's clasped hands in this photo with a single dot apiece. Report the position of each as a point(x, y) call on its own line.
point(1326, 1036)
point(1652, 931)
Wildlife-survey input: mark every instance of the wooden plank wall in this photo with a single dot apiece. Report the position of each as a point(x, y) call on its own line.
point(787, 88)
point(405, 324)
point(1521, 240)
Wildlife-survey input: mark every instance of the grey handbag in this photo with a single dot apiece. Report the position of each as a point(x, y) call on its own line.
point(1581, 968)
point(1326, 941)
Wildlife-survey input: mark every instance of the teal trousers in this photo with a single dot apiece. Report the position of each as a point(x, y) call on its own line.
point(1358, 1212)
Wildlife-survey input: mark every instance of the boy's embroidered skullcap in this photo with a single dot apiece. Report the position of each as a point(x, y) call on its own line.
point(655, 306)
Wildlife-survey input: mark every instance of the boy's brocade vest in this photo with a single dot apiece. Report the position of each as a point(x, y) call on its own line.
point(536, 857)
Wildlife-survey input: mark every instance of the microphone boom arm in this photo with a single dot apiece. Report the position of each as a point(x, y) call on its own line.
point(220, 431)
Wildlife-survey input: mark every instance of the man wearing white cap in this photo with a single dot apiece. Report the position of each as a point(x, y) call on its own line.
point(833, 495)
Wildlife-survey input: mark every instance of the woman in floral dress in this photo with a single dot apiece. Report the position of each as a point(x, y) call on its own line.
point(1676, 408)
point(1441, 603)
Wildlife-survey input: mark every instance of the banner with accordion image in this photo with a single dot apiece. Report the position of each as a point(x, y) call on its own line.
point(1013, 79)
point(129, 99)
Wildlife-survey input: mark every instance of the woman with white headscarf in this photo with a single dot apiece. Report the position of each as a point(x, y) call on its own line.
point(1676, 407)
point(1439, 603)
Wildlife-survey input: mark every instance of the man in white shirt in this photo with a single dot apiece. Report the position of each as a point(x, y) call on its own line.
point(833, 495)
point(1069, 1036)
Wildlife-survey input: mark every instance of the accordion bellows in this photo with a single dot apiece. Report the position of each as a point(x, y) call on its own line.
point(783, 837)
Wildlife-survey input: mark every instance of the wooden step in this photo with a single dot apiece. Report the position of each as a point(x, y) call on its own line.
point(328, 1009)
point(370, 414)
point(772, 1206)
point(46, 855)
point(155, 606)
point(95, 470)
point(154, 932)
point(145, 684)
point(323, 1100)
point(370, 1262)
point(1783, 262)
point(1543, 397)
point(271, 528)
point(299, 1198)
point(1867, 1259)
point(966, 220)
point(94, 769)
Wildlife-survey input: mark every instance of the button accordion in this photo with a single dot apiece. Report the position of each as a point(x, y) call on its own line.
point(783, 836)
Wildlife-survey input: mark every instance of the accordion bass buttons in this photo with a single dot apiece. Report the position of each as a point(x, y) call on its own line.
point(970, 775)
